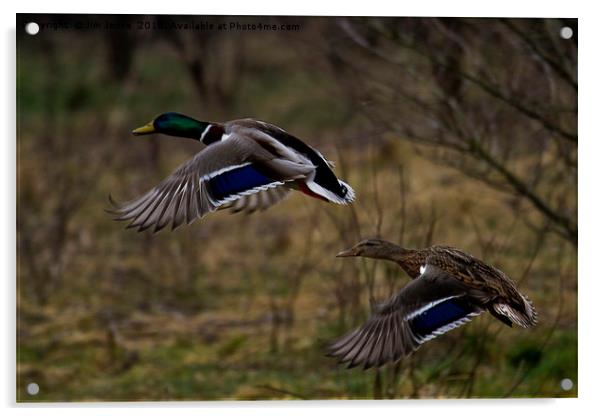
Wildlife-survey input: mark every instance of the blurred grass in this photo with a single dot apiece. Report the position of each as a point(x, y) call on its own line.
point(204, 313)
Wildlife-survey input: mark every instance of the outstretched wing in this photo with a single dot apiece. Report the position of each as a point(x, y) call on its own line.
point(259, 201)
point(220, 174)
point(428, 306)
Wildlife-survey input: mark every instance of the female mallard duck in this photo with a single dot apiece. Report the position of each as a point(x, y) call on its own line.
point(449, 288)
point(247, 165)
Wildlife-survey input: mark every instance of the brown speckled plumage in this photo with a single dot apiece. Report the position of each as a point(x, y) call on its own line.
point(452, 285)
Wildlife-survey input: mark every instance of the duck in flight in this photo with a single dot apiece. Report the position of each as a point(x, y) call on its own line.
point(247, 165)
point(448, 289)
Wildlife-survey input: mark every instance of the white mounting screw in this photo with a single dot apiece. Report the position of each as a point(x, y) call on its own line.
point(32, 28)
point(566, 32)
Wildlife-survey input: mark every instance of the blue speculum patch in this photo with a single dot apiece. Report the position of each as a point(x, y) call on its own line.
point(236, 181)
point(438, 316)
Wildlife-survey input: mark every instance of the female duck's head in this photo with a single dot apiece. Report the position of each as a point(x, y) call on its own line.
point(373, 248)
point(175, 124)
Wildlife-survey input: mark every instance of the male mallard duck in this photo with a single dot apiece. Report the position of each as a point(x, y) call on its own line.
point(247, 165)
point(450, 287)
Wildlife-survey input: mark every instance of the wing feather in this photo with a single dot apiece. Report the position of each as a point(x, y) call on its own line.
point(185, 195)
point(393, 332)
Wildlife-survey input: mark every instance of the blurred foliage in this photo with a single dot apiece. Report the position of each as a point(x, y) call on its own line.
point(241, 307)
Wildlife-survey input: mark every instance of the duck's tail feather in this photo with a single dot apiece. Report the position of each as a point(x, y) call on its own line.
point(342, 196)
point(524, 315)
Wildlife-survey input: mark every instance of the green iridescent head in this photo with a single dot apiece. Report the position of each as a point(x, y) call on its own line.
point(174, 124)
